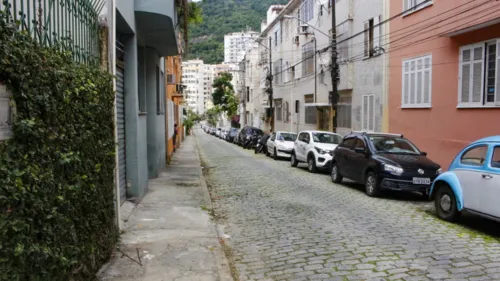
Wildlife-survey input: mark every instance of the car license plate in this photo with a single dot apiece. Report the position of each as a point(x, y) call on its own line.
point(426, 181)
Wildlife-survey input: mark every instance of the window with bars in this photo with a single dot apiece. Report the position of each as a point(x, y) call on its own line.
point(307, 10)
point(308, 58)
point(417, 82)
point(279, 110)
point(368, 113)
point(479, 74)
point(344, 111)
point(343, 33)
point(309, 111)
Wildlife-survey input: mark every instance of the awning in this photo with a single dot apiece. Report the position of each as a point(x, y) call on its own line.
point(155, 22)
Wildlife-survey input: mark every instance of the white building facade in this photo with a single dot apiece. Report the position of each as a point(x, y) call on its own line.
point(236, 44)
point(198, 79)
point(298, 38)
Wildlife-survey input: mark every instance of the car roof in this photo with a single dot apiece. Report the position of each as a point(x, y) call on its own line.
point(488, 139)
point(361, 133)
point(285, 132)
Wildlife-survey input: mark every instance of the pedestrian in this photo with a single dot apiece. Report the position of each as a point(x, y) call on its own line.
point(175, 136)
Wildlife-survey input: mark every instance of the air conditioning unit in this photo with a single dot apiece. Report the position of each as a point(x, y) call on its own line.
point(296, 39)
point(303, 29)
point(265, 103)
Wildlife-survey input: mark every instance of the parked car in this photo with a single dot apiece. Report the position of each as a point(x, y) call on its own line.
point(314, 147)
point(217, 132)
point(472, 182)
point(231, 134)
point(383, 162)
point(213, 131)
point(247, 132)
point(280, 144)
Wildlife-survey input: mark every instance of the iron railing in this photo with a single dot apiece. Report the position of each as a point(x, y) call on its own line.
point(71, 24)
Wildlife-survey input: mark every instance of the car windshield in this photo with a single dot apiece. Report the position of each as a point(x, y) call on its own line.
point(287, 137)
point(326, 138)
point(396, 145)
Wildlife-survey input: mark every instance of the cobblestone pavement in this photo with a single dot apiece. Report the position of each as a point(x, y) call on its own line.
point(287, 224)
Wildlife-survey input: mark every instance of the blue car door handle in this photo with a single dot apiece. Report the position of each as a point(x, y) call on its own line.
point(487, 177)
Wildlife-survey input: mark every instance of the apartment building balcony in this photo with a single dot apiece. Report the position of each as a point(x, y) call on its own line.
point(156, 20)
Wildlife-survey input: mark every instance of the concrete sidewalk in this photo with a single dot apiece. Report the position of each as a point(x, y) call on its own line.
point(168, 236)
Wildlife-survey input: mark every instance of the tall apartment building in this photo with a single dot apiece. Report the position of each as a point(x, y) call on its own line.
point(198, 79)
point(192, 77)
point(236, 44)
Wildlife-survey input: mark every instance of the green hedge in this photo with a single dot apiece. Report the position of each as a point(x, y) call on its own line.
point(56, 173)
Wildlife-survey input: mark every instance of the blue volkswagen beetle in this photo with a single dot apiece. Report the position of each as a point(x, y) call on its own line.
point(472, 182)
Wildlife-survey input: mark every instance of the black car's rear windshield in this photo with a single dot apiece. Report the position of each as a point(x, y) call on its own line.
point(391, 144)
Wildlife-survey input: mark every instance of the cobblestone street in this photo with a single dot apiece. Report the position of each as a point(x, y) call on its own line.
point(287, 224)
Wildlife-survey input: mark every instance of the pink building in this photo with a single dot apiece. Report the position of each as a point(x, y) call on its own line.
point(444, 84)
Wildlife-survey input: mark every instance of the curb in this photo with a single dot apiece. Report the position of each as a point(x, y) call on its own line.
point(223, 267)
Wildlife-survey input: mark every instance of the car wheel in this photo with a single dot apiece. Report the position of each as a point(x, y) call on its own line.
point(334, 173)
point(311, 165)
point(371, 185)
point(275, 155)
point(446, 204)
point(293, 160)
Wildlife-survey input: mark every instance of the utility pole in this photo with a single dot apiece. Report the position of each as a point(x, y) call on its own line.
point(271, 84)
point(334, 95)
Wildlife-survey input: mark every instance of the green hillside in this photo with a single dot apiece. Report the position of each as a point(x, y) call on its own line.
point(221, 17)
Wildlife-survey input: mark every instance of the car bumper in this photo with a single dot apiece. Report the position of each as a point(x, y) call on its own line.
point(404, 185)
point(323, 161)
point(285, 153)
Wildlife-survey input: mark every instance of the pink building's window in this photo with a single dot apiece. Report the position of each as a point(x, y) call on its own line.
point(479, 75)
point(417, 82)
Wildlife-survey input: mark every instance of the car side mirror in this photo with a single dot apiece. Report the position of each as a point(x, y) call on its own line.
point(359, 150)
point(423, 153)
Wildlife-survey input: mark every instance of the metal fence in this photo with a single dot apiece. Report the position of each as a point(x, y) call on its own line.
point(71, 24)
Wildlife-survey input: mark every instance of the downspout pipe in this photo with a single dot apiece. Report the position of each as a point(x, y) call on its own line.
point(111, 20)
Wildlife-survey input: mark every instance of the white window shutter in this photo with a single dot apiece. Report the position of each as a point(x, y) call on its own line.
point(406, 81)
point(405, 5)
point(478, 74)
point(464, 77)
point(497, 86)
point(364, 121)
point(376, 33)
point(371, 113)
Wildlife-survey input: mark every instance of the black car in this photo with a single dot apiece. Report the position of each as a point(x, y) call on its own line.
point(247, 132)
point(383, 162)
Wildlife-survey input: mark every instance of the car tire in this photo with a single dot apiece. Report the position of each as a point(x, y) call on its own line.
point(293, 160)
point(446, 203)
point(372, 185)
point(336, 177)
point(275, 155)
point(311, 164)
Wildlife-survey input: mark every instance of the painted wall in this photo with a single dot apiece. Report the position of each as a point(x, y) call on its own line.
point(443, 129)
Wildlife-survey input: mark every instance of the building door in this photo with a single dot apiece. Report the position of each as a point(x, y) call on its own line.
point(120, 120)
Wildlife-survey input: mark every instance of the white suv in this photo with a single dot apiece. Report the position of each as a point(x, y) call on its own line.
point(314, 147)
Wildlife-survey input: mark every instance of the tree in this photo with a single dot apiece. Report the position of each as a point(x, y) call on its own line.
point(212, 115)
point(223, 95)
